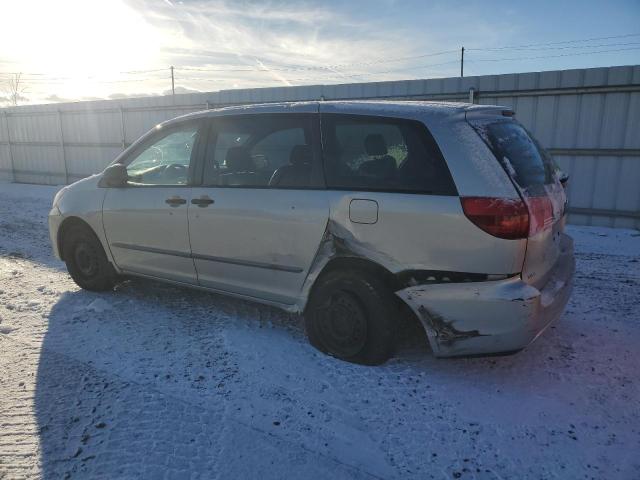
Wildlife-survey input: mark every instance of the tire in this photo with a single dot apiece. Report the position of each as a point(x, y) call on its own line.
point(351, 316)
point(86, 261)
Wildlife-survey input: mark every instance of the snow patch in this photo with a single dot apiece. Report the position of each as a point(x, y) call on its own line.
point(98, 306)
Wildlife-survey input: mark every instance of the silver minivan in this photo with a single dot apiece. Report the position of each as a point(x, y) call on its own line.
point(345, 212)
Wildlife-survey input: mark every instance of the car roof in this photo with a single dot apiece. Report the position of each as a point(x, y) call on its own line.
point(393, 108)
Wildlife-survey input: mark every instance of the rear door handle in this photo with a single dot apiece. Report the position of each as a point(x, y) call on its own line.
point(203, 201)
point(175, 201)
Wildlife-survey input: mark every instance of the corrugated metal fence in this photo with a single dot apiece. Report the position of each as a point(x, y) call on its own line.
point(589, 119)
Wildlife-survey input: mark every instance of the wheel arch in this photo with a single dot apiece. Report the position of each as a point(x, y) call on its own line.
point(347, 263)
point(66, 225)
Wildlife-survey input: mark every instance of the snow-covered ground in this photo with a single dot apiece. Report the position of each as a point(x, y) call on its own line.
point(159, 382)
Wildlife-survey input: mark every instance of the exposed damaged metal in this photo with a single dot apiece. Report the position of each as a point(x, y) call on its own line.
point(445, 333)
point(345, 244)
point(338, 242)
point(412, 278)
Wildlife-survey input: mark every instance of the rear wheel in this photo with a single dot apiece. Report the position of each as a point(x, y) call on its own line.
point(351, 316)
point(86, 261)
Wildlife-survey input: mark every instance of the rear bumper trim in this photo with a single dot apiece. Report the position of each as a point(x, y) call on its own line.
point(491, 317)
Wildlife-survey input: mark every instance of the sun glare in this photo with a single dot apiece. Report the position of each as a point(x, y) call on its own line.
point(88, 41)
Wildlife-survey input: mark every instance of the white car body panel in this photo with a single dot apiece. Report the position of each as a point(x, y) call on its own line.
point(257, 242)
point(137, 221)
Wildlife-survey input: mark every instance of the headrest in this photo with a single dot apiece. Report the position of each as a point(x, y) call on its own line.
point(300, 155)
point(375, 145)
point(239, 160)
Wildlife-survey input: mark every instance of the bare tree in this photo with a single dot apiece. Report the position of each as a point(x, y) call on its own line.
point(16, 89)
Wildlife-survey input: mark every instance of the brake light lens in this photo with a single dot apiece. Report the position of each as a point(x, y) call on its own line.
point(501, 217)
point(541, 214)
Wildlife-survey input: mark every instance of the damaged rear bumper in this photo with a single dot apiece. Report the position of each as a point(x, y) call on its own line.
point(491, 317)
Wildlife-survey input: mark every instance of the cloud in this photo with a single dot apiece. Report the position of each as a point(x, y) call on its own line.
point(58, 99)
point(180, 90)
point(91, 98)
point(120, 96)
point(279, 40)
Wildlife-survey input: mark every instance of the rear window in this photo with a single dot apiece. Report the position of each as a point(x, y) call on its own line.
point(520, 154)
point(382, 154)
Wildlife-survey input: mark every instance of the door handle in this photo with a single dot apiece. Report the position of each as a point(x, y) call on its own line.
point(175, 201)
point(203, 201)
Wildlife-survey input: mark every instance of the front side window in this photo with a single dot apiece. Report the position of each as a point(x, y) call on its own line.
point(166, 161)
point(382, 154)
point(267, 151)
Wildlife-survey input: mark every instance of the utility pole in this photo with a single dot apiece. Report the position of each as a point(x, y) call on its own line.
point(462, 63)
point(173, 84)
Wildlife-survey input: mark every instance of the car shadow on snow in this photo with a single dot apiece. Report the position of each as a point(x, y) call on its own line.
point(138, 381)
point(151, 379)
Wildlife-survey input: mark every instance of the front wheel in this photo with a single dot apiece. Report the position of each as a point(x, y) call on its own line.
point(350, 316)
point(86, 261)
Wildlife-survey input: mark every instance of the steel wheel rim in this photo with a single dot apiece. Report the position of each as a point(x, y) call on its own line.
point(85, 259)
point(343, 324)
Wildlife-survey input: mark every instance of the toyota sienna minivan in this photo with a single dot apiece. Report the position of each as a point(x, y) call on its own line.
point(343, 212)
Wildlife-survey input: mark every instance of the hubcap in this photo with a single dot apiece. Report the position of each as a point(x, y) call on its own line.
point(343, 324)
point(85, 259)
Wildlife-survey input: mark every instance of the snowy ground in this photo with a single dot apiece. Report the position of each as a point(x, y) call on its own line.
point(159, 382)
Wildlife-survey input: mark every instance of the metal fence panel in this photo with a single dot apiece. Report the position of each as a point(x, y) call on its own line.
point(5, 163)
point(37, 164)
point(78, 127)
point(85, 161)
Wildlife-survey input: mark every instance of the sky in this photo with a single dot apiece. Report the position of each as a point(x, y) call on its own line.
point(71, 50)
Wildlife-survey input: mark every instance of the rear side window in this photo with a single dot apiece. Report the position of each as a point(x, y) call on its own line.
point(382, 154)
point(264, 151)
point(523, 158)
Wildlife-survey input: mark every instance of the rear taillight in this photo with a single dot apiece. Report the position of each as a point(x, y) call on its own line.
point(501, 217)
point(540, 213)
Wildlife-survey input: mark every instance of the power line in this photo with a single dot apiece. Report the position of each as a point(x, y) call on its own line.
point(40, 74)
point(291, 68)
point(42, 81)
point(325, 70)
point(132, 72)
point(557, 43)
point(557, 48)
point(554, 56)
point(316, 67)
point(327, 75)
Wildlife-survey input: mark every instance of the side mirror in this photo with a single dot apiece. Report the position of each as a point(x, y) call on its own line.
point(114, 176)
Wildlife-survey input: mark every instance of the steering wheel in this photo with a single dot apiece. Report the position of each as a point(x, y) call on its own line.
point(174, 171)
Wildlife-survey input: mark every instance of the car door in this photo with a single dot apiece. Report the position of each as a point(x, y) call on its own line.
point(146, 221)
point(258, 218)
